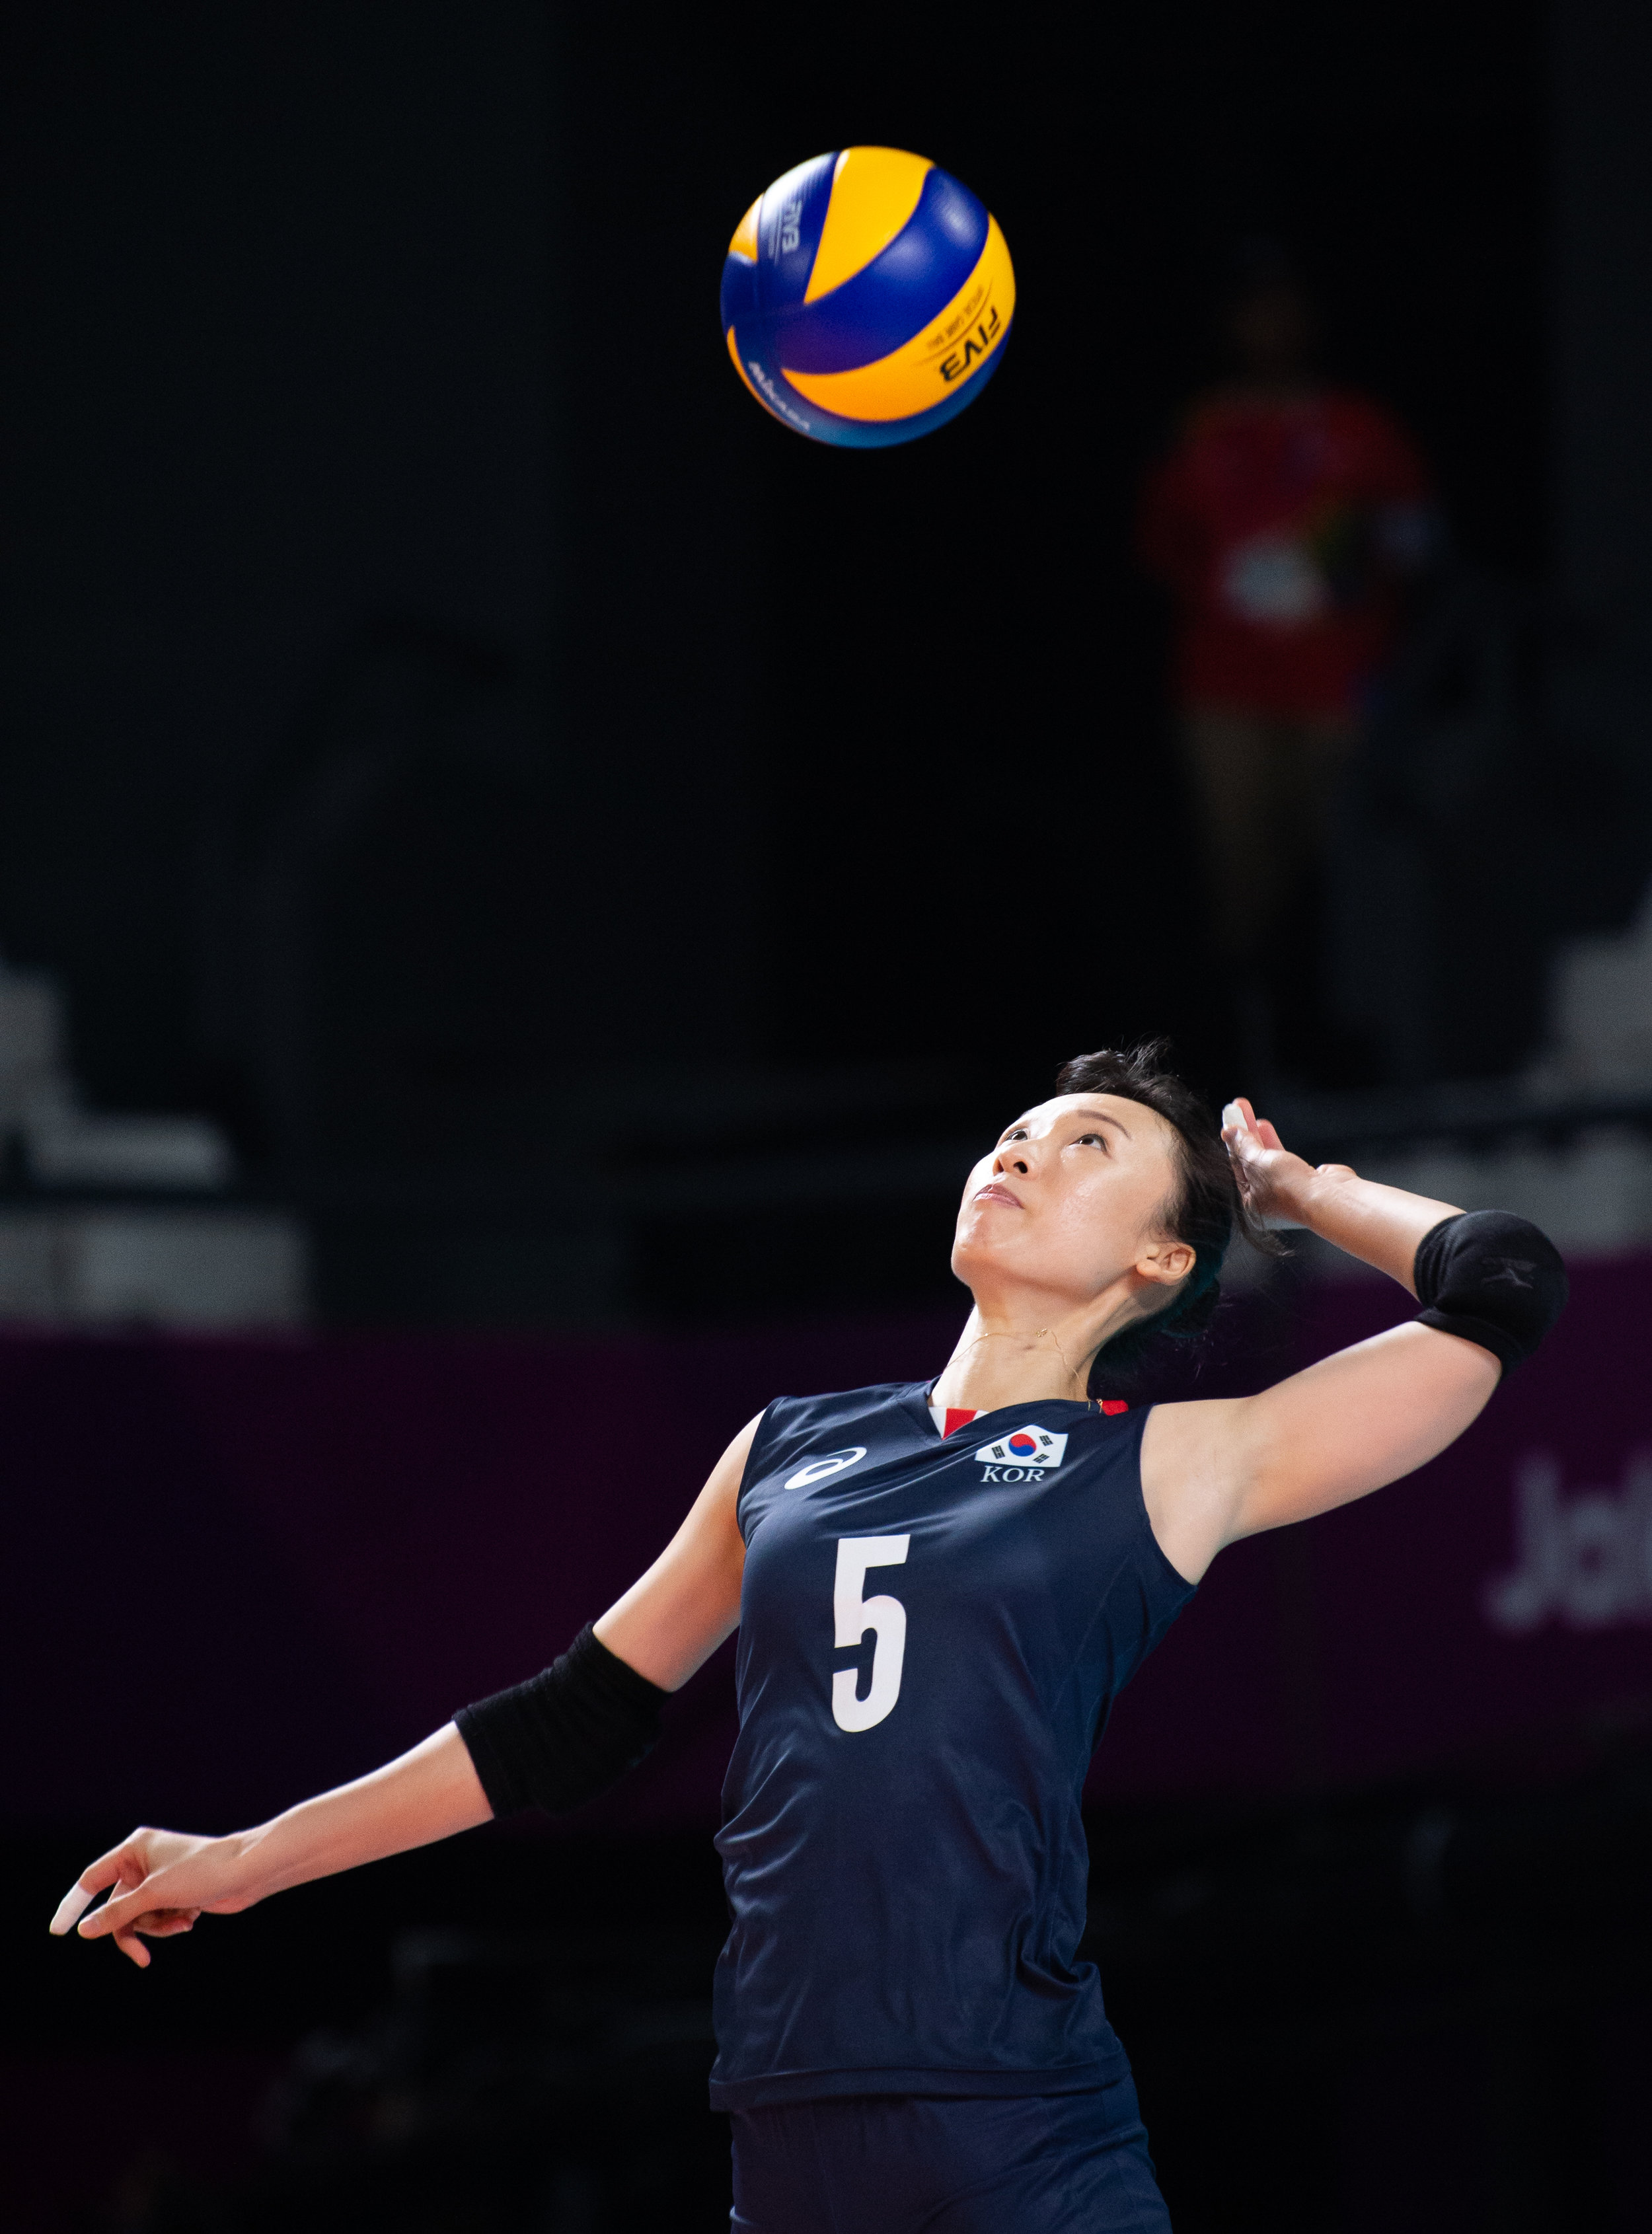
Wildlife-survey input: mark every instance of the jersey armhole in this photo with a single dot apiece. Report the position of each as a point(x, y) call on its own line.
point(759, 1441)
point(1171, 1572)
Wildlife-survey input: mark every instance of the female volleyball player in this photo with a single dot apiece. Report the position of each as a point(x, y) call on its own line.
point(939, 1591)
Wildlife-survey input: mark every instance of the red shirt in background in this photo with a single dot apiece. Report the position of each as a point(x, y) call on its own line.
point(1283, 526)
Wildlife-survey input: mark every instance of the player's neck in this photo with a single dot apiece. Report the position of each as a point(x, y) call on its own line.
point(1005, 1358)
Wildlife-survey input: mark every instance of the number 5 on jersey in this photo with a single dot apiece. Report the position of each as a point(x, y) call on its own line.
point(855, 1614)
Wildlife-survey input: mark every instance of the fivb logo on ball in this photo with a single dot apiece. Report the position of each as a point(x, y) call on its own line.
point(866, 296)
point(1021, 1455)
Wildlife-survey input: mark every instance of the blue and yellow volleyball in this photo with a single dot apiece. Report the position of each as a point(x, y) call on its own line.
point(866, 298)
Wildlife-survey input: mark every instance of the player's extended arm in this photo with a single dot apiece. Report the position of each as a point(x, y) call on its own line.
point(162, 1880)
point(661, 1630)
point(1217, 1470)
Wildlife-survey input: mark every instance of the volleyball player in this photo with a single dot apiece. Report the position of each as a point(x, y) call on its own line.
point(939, 1591)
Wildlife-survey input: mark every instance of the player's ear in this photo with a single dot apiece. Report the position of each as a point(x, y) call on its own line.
point(1167, 1261)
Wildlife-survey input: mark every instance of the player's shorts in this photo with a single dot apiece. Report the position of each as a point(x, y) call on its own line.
point(926, 2164)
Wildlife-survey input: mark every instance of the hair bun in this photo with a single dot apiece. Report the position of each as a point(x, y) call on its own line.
point(1117, 1364)
point(1200, 1310)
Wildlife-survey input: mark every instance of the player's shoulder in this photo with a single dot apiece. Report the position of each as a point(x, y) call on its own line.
point(791, 1419)
point(803, 1439)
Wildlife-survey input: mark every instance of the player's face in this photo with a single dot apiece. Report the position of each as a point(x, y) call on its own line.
point(1070, 1198)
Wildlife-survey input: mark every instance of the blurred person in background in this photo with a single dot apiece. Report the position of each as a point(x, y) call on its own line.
point(1286, 521)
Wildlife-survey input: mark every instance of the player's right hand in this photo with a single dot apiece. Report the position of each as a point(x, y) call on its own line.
point(1271, 1180)
point(160, 1881)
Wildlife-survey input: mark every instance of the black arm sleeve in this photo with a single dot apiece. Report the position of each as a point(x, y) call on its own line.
point(1492, 1278)
point(565, 1734)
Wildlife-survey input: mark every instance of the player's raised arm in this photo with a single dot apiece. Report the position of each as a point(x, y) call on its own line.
point(554, 1742)
point(1492, 1285)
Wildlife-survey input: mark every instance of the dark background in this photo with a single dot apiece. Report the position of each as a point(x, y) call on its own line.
point(605, 861)
point(443, 712)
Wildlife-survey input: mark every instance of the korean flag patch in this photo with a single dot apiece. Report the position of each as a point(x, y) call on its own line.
point(1024, 1447)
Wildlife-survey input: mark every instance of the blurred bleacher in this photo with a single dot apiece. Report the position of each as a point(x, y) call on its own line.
point(117, 1220)
point(1567, 1142)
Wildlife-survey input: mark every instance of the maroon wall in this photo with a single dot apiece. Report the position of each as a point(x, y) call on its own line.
point(235, 1570)
point(1387, 1637)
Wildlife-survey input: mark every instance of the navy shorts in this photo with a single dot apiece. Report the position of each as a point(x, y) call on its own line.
point(927, 2164)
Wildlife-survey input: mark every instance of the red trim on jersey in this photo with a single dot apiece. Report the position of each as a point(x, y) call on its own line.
point(1111, 1405)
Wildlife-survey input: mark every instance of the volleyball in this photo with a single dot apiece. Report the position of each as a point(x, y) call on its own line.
point(866, 298)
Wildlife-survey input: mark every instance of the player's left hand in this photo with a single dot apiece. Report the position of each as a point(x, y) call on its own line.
point(1271, 1181)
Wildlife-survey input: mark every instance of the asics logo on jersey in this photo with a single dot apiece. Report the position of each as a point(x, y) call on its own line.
point(1021, 1455)
point(833, 1462)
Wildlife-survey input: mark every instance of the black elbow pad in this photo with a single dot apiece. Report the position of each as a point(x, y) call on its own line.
point(1493, 1278)
point(566, 1734)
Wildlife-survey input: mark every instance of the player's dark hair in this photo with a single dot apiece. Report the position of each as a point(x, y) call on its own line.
point(1205, 1210)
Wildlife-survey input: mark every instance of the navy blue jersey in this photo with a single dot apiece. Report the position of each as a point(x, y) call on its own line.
point(931, 1635)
